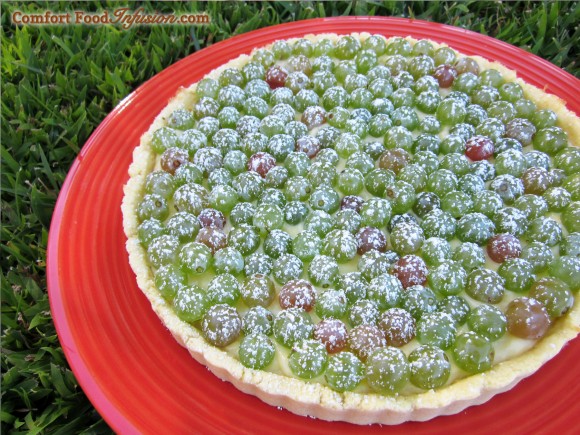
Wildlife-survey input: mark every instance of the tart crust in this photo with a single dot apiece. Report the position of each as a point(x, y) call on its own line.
point(315, 399)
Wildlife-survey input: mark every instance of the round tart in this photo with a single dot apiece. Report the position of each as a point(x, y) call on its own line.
point(361, 229)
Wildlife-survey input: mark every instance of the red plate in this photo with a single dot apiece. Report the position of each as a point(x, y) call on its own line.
point(131, 368)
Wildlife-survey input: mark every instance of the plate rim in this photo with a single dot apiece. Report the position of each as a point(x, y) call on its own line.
point(80, 368)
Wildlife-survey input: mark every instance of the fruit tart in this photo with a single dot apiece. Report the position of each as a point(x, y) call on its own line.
point(361, 229)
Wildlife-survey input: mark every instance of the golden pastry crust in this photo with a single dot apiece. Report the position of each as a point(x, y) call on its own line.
point(314, 399)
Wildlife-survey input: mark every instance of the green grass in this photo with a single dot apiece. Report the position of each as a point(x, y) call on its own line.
point(58, 83)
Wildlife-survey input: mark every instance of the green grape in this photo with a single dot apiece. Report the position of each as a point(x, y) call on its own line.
point(436, 251)
point(190, 303)
point(436, 329)
point(224, 289)
point(325, 198)
point(485, 285)
point(487, 321)
point(168, 279)
point(268, 217)
point(256, 351)
point(376, 212)
point(340, 245)
point(407, 238)
point(538, 254)
point(385, 290)
point(429, 367)
point(518, 274)
point(195, 258)
point(567, 269)
point(363, 312)
point(418, 301)
point(554, 294)
point(473, 353)
point(456, 307)
point(451, 112)
point(387, 370)
point(344, 372)
point(308, 359)
point(228, 260)
point(331, 304)
point(475, 228)
point(469, 255)
point(258, 290)
point(448, 278)
point(292, 325)
point(286, 268)
point(149, 230)
point(153, 206)
point(257, 320)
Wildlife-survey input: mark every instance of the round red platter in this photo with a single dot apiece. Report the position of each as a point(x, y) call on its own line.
point(131, 368)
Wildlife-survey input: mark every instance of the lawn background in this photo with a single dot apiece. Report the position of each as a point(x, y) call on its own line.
point(58, 84)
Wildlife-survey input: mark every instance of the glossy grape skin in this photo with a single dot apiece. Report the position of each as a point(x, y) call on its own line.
point(544, 230)
point(256, 351)
point(257, 320)
point(456, 307)
point(332, 333)
point(436, 329)
point(169, 279)
point(387, 370)
point(571, 217)
point(340, 245)
point(286, 268)
point(292, 325)
point(152, 228)
point(244, 238)
point(445, 75)
point(363, 340)
point(487, 321)
point(410, 270)
point(228, 260)
point(557, 198)
point(436, 251)
point(190, 303)
point(277, 243)
point(567, 269)
point(473, 353)
point(385, 290)
point(475, 228)
point(550, 140)
point(438, 223)
point(503, 246)
point(152, 206)
point(331, 304)
point(554, 294)
point(419, 300)
point(407, 238)
point(258, 290)
point(485, 285)
point(398, 326)
point(344, 372)
point(258, 263)
point(308, 359)
point(223, 289)
point(517, 273)
point(429, 367)
point(448, 278)
point(527, 318)
point(297, 293)
point(195, 258)
point(221, 325)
